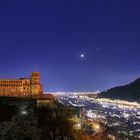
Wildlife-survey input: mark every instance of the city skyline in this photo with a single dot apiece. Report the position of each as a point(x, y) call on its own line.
point(75, 45)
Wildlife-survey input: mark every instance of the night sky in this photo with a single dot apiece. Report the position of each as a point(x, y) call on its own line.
point(77, 45)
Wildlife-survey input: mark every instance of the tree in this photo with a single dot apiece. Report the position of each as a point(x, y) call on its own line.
point(7, 112)
point(54, 121)
point(20, 128)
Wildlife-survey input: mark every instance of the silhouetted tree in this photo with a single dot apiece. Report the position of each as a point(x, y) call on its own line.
point(20, 128)
point(54, 121)
point(7, 112)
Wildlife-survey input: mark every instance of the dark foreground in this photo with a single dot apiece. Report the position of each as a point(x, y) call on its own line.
point(25, 119)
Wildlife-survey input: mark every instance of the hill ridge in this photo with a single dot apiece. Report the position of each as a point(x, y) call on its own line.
point(129, 92)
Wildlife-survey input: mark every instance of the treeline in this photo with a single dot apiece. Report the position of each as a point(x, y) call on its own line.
point(49, 122)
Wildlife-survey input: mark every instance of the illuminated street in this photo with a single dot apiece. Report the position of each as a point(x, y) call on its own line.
point(102, 114)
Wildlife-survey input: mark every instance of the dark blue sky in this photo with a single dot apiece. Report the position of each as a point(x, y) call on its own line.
point(49, 35)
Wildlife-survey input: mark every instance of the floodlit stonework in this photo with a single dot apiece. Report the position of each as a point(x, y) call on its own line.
point(22, 86)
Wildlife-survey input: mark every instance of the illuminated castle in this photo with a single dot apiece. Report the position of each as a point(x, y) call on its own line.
point(22, 86)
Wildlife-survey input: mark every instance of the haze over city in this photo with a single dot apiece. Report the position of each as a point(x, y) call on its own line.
point(75, 45)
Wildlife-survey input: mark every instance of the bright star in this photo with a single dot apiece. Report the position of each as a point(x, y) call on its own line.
point(82, 55)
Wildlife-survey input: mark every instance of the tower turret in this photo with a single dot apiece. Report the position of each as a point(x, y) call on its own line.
point(36, 87)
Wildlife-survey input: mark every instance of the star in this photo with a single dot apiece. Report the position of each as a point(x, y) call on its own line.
point(97, 49)
point(82, 55)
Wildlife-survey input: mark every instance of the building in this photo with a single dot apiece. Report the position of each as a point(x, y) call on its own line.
point(22, 86)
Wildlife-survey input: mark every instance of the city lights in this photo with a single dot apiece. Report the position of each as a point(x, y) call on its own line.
point(118, 114)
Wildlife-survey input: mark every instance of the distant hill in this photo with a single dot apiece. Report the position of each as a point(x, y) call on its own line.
point(130, 92)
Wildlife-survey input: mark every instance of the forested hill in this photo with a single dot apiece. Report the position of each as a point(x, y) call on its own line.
point(130, 92)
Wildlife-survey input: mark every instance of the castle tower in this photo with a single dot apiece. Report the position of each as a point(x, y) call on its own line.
point(36, 87)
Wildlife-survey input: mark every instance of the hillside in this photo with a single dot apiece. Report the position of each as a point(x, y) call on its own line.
point(130, 92)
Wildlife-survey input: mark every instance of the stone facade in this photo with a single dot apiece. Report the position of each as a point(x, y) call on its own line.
point(22, 86)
